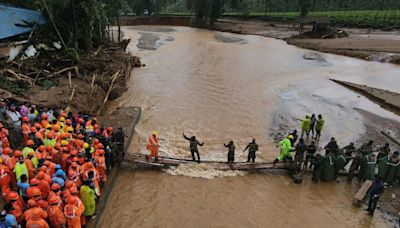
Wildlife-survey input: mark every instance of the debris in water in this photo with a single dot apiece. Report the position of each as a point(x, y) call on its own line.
point(202, 171)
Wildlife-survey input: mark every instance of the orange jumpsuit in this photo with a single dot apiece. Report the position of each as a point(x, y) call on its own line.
point(4, 137)
point(71, 212)
point(44, 123)
point(26, 130)
point(101, 167)
point(4, 179)
point(56, 216)
point(153, 146)
point(44, 188)
point(39, 135)
point(31, 168)
point(36, 218)
point(17, 212)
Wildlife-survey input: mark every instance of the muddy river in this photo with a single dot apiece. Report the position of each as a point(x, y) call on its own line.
point(221, 87)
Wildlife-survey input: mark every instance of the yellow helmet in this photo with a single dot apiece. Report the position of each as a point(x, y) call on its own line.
point(64, 142)
point(85, 146)
point(62, 119)
point(155, 133)
point(70, 129)
point(290, 137)
point(1, 160)
point(48, 126)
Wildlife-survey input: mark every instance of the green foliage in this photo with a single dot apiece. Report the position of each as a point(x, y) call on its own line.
point(47, 83)
point(15, 87)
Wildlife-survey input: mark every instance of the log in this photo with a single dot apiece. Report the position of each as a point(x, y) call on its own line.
point(114, 77)
point(70, 100)
point(61, 71)
point(361, 193)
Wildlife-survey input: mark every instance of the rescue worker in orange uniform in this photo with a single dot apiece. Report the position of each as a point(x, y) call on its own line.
point(152, 146)
point(72, 213)
point(29, 165)
point(17, 211)
point(55, 213)
point(44, 121)
point(4, 178)
point(25, 128)
point(101, 166)
point(43, 185)
point(6, 155)
point(4, 136)
point(35, 216)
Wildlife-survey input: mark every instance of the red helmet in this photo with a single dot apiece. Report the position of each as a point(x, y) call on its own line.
point(99, 146)
point(36, 192)
point(97, 131)
point(96, 126)
point(54, 199)
point(55, 187)
point(50, 135)
point(40, 175)
point(72, 200)
point(17, 153)
point(7, 150)
point(30, 142)
point(34, 181)
point(42, 148)
point(63, 114)
point(33, 129)
point(11, 195)
point(56, 128)
point(109, 129)
point(73, 190)
point(49, 148)
point(100, 152)
point(37, 126)
point(80, 136)
point(25, 119)
point(44, 116)
point(32, 203)
point(68, 122)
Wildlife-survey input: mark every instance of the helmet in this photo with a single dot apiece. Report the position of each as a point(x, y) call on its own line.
point(72, 200)
point(49, 158)
point(74, 152)
point(80, 136)
point(7, 150)
point(69, 184)
point(43, 168)
point(48, 126)
point(95, 141)
point(37, 126)
point(64, 142)
point(100, 152)
point(36, 192)
point(11, 195)
point(32, 203)
point(44, 116)
point(68, 122)
point(17, 153)
point(40, 175)
point(33, 129)
point(50, 135)
point(109, 129)
point(73, 190)
point(49, 148)
point(34, 181)
point(55, 187)
point(31, 153)
point(30, 142)
point(99, 146)
point(58, 145)
point(62, 119)
point(42, 148)
point(58, 166)
point(63, 136)
point(70, 129)
point(290, 137)
point(155, 133)
point(25, 119)
point(90, 165)
point(63, 115)
point(54, 199)
point(85, 145)
point(96, 126)
point(56, 128)
point(74, 165)
point(97, 131)
point(81, 120)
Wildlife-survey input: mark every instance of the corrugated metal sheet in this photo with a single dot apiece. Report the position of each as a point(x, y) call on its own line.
point(15, 21)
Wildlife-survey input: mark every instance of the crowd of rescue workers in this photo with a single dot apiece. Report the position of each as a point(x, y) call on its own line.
point(53, 165)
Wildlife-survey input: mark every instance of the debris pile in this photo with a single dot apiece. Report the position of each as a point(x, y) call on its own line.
point(52, 77)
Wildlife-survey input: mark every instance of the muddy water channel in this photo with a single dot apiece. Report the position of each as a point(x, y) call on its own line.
point(222, 87)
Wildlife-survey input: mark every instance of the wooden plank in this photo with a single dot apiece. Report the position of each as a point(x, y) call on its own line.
point(361, 193)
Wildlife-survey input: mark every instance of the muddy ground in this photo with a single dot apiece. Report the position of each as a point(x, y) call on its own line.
point(367, 44)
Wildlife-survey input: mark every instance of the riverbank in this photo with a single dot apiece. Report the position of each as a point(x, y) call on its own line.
point(367, 44)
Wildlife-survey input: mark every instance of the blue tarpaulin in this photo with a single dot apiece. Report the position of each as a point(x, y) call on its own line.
point(15, 21)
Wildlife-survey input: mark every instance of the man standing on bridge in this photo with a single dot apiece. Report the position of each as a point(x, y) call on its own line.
point(153, 146)
point(253, 148)
point(193, 146)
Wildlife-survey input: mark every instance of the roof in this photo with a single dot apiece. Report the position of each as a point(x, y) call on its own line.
point(15, 21)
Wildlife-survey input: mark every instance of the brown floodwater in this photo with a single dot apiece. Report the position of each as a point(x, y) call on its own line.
point(222, 87)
